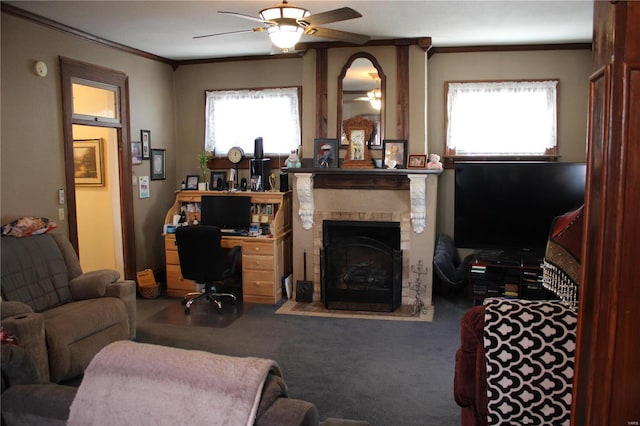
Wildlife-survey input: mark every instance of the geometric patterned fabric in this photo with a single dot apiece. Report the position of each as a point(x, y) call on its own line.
point(530, 349)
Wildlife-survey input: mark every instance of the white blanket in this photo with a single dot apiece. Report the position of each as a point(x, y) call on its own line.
point(130, 383)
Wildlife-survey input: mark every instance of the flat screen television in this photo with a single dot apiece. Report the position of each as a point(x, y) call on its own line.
point(509, 206)
point(226, 212)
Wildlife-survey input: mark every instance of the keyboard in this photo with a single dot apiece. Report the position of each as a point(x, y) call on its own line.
point(230, 232)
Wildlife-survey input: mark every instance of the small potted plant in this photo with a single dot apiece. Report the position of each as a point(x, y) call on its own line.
point(203, 158)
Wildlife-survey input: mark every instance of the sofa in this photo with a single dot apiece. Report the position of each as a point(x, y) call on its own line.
point(154, 385)
point(61, 316)
point(515, 363)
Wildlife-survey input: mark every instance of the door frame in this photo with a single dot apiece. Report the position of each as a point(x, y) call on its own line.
point(72, 69)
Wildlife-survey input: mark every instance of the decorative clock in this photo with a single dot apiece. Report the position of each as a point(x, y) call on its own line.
point(358, 131)
point(235, 154)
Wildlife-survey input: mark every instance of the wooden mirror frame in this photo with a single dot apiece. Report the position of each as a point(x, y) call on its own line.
point(351, 126)
point(383, 87)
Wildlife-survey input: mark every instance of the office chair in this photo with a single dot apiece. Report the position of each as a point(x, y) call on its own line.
point(202, 260)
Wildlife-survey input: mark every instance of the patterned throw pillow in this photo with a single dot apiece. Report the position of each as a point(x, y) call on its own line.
point(27, 226)
point(530, 349)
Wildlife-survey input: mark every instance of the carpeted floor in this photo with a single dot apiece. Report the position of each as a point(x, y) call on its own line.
point(403, 313)
point(384, 372)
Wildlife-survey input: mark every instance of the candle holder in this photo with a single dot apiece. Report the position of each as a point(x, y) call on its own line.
point(418, 304)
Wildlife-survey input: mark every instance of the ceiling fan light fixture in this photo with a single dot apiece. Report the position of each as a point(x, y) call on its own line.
point(285, 31)
point(284, 36)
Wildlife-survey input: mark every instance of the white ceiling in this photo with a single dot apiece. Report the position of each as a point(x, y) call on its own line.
point(166, 28)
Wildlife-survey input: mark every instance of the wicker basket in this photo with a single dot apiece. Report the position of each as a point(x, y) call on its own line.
point(147, 285)
point(150, 292)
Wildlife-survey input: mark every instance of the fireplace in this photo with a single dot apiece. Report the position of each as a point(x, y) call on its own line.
point(361, 265)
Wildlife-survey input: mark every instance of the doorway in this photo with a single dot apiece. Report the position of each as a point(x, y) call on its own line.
point(98, 166)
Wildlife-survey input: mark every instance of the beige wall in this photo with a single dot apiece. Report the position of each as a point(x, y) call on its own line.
point(193, 80)
point(171, 105)
point(32, 144)
point(571, 67)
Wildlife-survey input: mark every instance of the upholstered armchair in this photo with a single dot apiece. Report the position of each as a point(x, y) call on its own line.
point(515, 363)
point(61, 316)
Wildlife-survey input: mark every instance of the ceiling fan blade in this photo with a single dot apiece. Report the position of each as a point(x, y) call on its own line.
point(336, 15)
point(337, 35)
point(254, 30)
point(243, 16)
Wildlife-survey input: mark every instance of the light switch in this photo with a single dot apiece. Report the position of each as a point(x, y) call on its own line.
point(61, 213)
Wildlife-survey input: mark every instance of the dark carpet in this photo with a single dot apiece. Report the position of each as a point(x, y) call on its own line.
point(385, 372)
point(201, 314)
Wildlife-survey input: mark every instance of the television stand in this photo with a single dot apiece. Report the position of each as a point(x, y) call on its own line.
point(509, 275)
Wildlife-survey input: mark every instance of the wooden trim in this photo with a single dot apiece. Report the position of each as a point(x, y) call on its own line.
point(402, 83)
point(422, 42)
point(509, 48)
point(383, 88)
point(71, 68)
point(322, 91)
point(362, 181)
point(237, 59)
point(16, 11)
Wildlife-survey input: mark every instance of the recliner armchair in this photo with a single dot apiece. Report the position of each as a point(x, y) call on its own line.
point(202, 260)
point(61, 316)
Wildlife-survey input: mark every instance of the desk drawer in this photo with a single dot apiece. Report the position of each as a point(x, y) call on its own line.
point(255, 247)
point(262, 263)
point(258, 283)
point(176, 281)
point(172, 257)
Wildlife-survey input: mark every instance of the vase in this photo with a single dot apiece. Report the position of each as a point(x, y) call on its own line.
point(202, 186)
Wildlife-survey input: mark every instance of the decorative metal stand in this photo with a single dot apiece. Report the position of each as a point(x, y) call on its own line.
point(418, 305)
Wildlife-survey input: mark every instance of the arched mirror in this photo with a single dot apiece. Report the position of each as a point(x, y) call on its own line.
point(361, 93)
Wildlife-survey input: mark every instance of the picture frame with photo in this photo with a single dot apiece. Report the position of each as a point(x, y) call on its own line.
point(192, 182)
point(394, 154)
point(325, 153)
point(417, 161)
point(145, 138)
point(215, 176)
point(88, 162)
point(158, 164)
point(136, 153)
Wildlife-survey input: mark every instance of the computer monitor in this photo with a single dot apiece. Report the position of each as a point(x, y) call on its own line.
point(226, 212)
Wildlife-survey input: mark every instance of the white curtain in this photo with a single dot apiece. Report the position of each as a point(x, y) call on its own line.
point(238, 117)
point(494, 118)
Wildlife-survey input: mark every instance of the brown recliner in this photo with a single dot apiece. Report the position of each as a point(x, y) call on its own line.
point(61, 316)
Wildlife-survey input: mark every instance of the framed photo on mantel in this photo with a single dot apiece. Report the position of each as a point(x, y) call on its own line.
point(358, 131)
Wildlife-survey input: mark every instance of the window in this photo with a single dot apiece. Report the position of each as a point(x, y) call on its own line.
point(95, 101)
point(238, 117)
point(508, 118)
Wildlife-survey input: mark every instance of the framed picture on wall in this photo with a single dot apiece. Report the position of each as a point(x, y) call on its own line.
point(158, 164)
point(88, 162)
point(136, 153)
point(145, 137)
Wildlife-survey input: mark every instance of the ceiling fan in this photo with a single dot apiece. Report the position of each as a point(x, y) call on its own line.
point(286, 23)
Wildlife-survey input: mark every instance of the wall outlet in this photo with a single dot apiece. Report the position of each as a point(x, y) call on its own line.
point(61, 213)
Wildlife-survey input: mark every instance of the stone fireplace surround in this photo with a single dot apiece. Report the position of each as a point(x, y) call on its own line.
point(409, 198)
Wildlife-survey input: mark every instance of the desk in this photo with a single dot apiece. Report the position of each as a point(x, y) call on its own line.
point(265, 260)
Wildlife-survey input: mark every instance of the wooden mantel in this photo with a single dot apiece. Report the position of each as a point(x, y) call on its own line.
point(412, 180)
point(385, 179)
